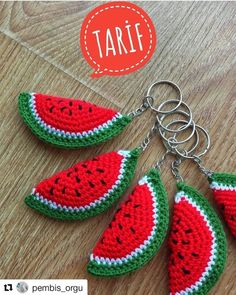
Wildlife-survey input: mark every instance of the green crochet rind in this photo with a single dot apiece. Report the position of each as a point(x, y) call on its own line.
point(221, 242)
point(130, 167)
point(106, 270)
point(62, 142)
point(223, 178)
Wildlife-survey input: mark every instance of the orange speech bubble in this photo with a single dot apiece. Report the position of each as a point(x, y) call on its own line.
point(117, 38)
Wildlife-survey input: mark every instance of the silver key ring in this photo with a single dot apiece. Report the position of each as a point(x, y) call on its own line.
point(186, 114)
point(172, 144)
point(170, 83)
point(194, 156)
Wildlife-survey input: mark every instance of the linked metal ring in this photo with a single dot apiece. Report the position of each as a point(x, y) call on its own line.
point(173, 85)
point(173, 143)
point(186, 114)
point(207, 146)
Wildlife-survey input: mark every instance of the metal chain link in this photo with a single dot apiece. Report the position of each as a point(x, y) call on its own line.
point(175, 169)
point(168, 121)
point(144, 106)
point(165, 126)
point(147, 139)
point(202, 169)
point(161, 161)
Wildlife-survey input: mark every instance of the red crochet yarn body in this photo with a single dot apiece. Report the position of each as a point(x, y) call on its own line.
point(197, 244)
point(71, 115)
point(188, 259)
point(223, 186)
point(85, 189)
point(69, 123)
point(136, 231)
point(83, 183)
point(131, 225)
point(226, 201)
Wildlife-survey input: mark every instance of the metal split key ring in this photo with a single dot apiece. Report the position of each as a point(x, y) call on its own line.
point(167, 122)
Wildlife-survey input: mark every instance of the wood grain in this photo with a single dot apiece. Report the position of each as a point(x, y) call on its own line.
point(40, 52)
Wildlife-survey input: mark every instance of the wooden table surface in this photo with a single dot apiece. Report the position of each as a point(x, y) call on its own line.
point(40, 52)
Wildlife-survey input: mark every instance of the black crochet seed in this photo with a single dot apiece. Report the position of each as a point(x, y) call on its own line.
point(88, 172)
point(136, 206)
point(70, 103)
point(118, 240)
point(132, 230)
point(63, 190)
point(62, 109)
point(186, 271)
point(195, 254)
point(70, 112)
point(127, 215)
point(51, 190)
point(48, 98)
point(180, 256)
point(103, 182)
point(77, 179)
point(78, 194)
point(90, 110)
point(120, 226)
point(80, 107)
point(175, 241)
point(51, 108)
point(100, 170)
point(188, 231)
point(185, 242)
point(91, 184)
point(57, 180)
point(102, 239)
point(69, 174)
point(178, 221)
point(84, 165)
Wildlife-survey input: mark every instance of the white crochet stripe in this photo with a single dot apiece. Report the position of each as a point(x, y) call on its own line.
point(67, 134)
point(145, 244)
point(180, 196)
point(223, 187)
point(56, 206)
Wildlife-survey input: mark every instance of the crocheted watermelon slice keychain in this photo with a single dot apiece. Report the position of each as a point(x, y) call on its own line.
point(223, 186)
point(75, 123)
point(70, 123)
point(87, 188)
point(136, 232)
point(197, 244)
